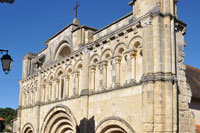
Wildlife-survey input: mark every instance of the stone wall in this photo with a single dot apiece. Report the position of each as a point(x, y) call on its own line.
point(186, 118)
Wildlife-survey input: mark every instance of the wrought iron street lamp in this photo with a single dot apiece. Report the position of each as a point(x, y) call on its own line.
point(7, 1)
point(6, 61)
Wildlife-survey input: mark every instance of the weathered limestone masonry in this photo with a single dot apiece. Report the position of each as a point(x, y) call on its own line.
point(128, 77)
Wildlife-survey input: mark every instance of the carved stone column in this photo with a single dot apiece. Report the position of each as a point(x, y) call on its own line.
point(133, 66)
point(104, 65)
point(59, 88)
point(31, 97)
point(77, 74)
point(67, 80)
point(49, 91)
point(34, 91)
point(26, 98)
point(43, 93)
point(128, 70)
point(117, 64)
point(92, 78)
point(56, 89)
point(100, 67)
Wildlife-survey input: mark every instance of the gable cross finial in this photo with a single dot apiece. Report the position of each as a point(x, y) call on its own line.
point(76, 8)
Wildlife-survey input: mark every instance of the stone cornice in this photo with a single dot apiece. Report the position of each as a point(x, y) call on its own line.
point(160, 76)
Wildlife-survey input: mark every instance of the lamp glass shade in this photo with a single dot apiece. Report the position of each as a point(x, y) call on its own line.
point(6, 61)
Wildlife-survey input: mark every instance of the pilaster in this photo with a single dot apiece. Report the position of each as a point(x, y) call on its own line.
point(159, 93)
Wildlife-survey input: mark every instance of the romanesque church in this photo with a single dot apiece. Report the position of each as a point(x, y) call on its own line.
point(128, 77)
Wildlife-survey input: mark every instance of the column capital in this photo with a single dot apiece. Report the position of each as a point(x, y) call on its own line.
point(76, 74)
point(104, 63)
point(133, 54)
point(56, 80)
point(49, 83)
point(67, 77)
point(117, 59)
point(92, 67)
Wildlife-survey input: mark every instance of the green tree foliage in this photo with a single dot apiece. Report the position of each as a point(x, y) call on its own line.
point(6, 130)
point(8, 114)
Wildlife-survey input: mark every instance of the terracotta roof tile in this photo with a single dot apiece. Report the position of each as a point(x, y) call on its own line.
point(193, 79)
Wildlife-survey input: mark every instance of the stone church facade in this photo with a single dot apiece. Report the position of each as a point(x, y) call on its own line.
point(128, 77)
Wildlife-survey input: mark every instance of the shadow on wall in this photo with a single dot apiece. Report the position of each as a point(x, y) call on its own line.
point(90, 124)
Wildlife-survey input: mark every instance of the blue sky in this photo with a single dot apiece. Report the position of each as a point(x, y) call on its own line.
point(27, 24)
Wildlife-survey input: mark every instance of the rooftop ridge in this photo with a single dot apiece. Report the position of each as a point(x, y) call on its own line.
point(194, 68)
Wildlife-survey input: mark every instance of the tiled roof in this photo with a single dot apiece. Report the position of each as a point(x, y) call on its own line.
point(1, 119)
point(193, 79)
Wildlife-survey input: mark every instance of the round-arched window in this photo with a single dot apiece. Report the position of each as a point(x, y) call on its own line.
point(63, 51)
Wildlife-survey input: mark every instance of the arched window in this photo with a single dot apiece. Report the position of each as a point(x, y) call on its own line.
point(120, 64)
point(69, 82)
point(60, 83)
point(94, 73)
point(62, 51)
point(44, 91)
point(136, 59)
point(106, 69)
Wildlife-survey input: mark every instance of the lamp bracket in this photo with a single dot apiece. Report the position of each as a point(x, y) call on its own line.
point(1, 51)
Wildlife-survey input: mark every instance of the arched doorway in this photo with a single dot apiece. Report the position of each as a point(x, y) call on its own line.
point(114, 125)
point(59, 120)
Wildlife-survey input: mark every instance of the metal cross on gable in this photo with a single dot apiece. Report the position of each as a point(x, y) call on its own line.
point(76, 8)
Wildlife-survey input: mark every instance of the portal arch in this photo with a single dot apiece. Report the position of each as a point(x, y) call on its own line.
point(58, 120)
point(28, 128)
point(114, 125)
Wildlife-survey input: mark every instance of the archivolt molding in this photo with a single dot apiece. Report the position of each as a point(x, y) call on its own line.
point(60, 46)
point(135, 40)
point(68, 68)
point(50, 77)
point(59, 118)
point(114, 124)
point(76, 65)
point(58, 70)
point(105, 52)
point(93, 57)
point(118, 47)
point(28, 128)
